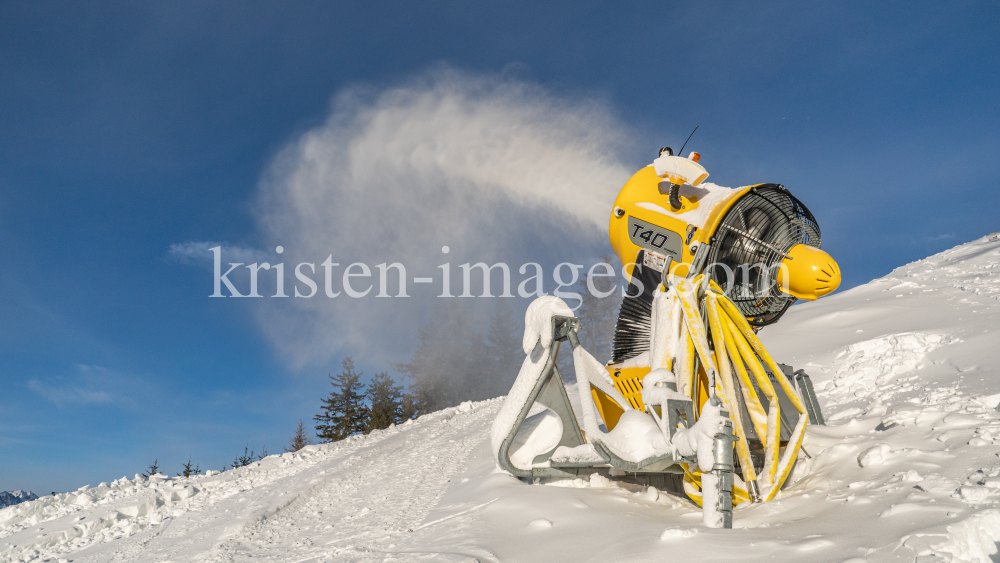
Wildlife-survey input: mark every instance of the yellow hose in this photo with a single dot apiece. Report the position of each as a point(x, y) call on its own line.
point(738, 354)
point(729, 397)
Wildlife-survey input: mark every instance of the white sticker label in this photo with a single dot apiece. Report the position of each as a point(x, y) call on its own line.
point(653, 260)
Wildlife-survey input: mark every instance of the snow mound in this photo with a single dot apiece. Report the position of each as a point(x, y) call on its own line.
point(867, 369)
point(974, 539)
point(10, 498)
point(213, 516)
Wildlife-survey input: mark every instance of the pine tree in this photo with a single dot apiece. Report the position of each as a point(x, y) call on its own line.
point(385, 399)
point(249, 456)
point(408, 408)
point(189, 470)
point(344, 411)
point(462, 355)
point(424, 378)
point(154, 468)
point(447, 366)
point(599, 315)
point(503, 351)
point(299, 440)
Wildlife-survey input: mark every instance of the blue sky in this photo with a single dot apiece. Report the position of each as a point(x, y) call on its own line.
point(126, 128)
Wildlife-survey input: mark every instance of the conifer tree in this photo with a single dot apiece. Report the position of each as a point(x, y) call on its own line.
point(448, 364)
point(154, 468)
point(384, 396)
point(245, 459)
point(190, 469)
point(343, 412)
point(503, 351)
point(599, 315)
point(299, 440)
point(408, 408)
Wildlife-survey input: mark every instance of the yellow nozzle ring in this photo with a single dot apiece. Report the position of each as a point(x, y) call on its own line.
point(808, 273)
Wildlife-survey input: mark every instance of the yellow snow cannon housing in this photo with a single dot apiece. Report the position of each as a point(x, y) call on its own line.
point(639, 209)
point(643, 219)
point(753, 251)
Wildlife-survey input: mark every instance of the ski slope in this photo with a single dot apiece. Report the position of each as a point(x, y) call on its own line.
point(907, 468)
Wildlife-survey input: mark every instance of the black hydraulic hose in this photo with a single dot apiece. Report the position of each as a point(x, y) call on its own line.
point(675, 199)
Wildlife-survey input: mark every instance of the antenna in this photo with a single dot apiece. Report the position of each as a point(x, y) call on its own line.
point(681, 152)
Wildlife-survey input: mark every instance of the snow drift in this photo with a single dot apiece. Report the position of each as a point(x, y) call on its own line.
point(10, 498)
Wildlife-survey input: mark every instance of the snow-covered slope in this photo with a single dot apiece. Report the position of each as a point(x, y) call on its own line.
point(10, 498)
point(906, 368)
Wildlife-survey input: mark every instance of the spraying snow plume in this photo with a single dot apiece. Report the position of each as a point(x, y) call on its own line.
point(497, 170)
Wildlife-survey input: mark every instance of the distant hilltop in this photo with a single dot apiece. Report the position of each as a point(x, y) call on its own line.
point(10, 498)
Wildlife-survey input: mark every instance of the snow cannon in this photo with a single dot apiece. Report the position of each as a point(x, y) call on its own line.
point(691, 401)
point(759, 242)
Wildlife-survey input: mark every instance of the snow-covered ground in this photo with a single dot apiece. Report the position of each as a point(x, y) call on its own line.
point(10, 498)
point(906, 368)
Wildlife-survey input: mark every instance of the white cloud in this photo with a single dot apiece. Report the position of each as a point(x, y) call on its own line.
point(89, 385)
point(63, 395)
point(199, 253)
point(497, 170)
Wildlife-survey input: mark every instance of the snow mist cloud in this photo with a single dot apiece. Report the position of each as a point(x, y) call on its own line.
point(496, 170)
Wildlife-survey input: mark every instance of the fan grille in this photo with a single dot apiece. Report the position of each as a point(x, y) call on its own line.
point(751, 241)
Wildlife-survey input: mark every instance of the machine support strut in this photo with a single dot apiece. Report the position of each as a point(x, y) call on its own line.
point(717, 505)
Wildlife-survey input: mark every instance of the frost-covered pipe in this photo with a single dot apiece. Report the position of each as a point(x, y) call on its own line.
point(717, 485)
